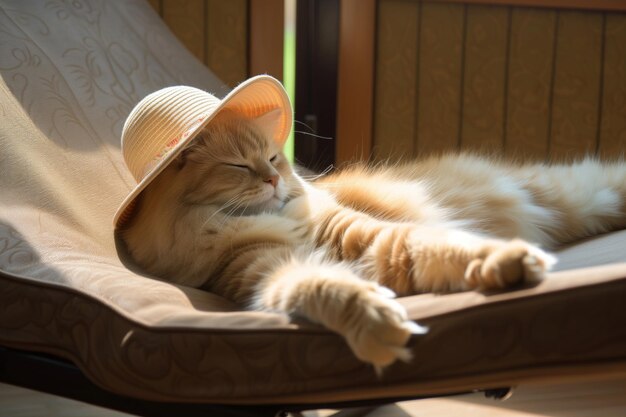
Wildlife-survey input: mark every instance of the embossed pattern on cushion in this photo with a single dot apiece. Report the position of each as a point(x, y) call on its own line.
point(69, 74)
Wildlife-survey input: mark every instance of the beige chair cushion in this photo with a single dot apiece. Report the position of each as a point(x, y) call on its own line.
point(70, 73)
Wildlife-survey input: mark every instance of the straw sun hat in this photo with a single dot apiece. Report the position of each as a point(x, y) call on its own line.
point(163, 123)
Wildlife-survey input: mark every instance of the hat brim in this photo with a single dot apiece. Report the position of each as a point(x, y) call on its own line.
point(239, 99)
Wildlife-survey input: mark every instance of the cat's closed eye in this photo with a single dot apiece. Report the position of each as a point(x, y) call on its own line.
point(246, 167)
point(273, 158)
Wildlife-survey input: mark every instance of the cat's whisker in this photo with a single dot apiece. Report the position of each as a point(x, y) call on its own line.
point(303, 124)
point(228, 203)
point(243, 199)
point(314, 135)
point(234, 209)
point(232, 201)
point(229, 216)
point(320, 175)
point(244, 210)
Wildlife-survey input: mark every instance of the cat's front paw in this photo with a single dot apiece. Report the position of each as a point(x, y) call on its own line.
point(508, 264)
point(379, 329)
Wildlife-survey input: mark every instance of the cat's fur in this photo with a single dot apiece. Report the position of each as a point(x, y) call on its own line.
point(231, 216)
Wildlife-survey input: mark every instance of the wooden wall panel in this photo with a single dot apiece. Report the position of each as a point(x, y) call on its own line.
point(355, 80)
point(396, 72)
point(440, 73)
point(529, 82)
point(266, 37)
point(613, 124)
point(576, 91)
point(536, 83)
point(484, 79)
point(215, 31)
point(186, 19)
point(615, 5)
point(226, 39)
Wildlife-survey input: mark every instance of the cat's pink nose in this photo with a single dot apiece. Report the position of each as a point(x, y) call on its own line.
point(272, 179)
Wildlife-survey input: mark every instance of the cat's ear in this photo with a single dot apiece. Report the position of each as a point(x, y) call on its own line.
point(267, 122)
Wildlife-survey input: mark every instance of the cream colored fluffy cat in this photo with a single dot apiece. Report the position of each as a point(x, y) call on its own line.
point(231, 216)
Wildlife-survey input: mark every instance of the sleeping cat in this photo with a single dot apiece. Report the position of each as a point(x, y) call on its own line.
point(231, 216)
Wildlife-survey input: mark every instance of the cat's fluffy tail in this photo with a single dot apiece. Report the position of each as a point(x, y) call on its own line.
point(585, 198)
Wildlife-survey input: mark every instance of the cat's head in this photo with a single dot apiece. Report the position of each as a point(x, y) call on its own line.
point(236, 164)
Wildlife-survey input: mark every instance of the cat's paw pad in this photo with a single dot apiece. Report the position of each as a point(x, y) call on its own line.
point(380, 329)
point(508, 264)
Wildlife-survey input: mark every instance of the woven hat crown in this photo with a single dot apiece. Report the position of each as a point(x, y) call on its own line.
point(158, 122)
